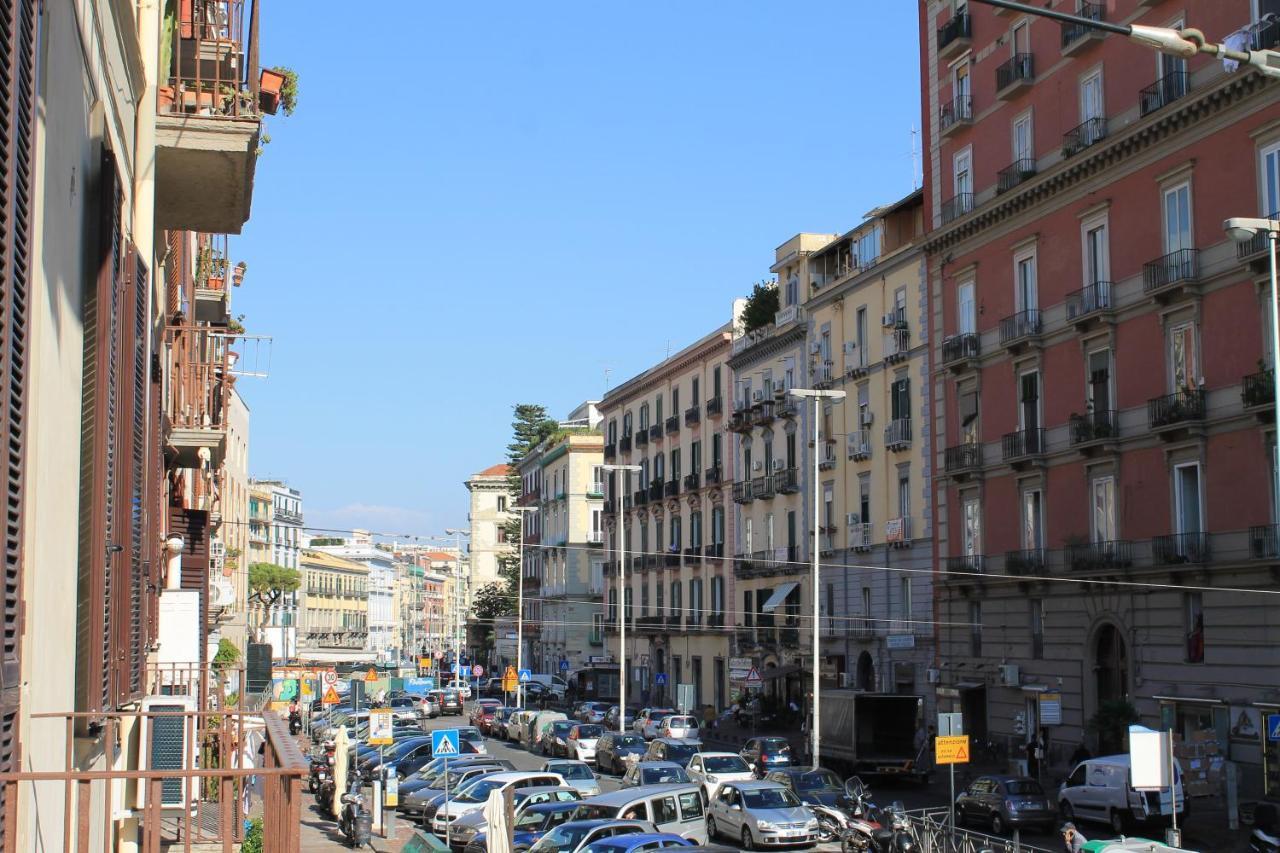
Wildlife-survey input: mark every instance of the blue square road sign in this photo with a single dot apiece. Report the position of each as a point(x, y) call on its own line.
point(525, 676)
point(660, 678)
point(444, 743)
point(1273, 726)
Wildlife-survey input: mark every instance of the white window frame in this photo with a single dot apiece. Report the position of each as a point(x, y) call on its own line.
point(1165, 192)
point(967, 64)
point(1023, 25)
point(1022, 414)
point(1193, 367)
point(1178, 496)
point(971, 534)
point(1027, 254)
point(967, 322)
point(1088, 378)
point(1023, 118)
point(1109, 482)
point(1085, 81)
point(1033, 516)
point(964, 155)
point(1088, 226)
point(1271, 149)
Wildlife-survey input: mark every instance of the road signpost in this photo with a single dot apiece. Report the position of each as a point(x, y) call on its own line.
point(526, 676)
point(660, 679)
point(951, 747)
point(444, 744)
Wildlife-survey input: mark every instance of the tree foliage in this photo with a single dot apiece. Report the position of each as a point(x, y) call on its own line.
point(228, 654)
point(492, 601)
point(530, 425)
point(268, 583)
point(326, 541)
point(1111, 724)
point(761, 306)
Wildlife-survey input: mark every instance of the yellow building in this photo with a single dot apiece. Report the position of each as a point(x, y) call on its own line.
point(334, 605)
point(866, 306)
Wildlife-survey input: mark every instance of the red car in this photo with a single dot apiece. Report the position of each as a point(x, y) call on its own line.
point(482, 716)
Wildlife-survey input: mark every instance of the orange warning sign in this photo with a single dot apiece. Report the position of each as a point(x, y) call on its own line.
point(952, 750)
point(330, 696)
point(370, 676)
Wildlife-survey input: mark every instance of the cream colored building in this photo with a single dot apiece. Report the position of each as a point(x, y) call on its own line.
point(671, 420)
point(490, 495)
point(333, 609)
point(866, 305)
point(231, 580)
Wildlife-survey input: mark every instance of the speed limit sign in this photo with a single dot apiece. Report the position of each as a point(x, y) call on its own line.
point(330, 678)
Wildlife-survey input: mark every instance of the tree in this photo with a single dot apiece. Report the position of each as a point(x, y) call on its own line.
point(491, 601)
point(228, 654)
point(269, 583)
point(761, 306)
point(1111, 725)
point(530, 425)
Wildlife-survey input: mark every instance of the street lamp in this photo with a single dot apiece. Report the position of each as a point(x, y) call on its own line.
point(457, 533)
point(521, 510)
point(622, 592)
point(1243, 228)
point(817, 396)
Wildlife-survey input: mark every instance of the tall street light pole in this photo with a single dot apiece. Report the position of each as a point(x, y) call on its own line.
point(618, 493)
point(458, 597)
point(1241, 228)
point(520, 600)
point(817, 396)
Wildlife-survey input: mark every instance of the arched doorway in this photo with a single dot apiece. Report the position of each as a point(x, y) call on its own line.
point(866, 673)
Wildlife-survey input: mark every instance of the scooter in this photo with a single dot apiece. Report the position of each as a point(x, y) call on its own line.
point(295, 723)
point(324, 795)
point(1265, 837)
point(355, 823)
point(860, 824)
point(321, 769)
point(894, 834)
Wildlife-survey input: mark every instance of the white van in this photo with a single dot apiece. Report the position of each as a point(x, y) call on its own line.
point(676, 807)
point(1098, 790)
point(554, 683)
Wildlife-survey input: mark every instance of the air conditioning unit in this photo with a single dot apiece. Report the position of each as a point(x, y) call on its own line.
point(889, 319)
point(166, 744)
point(779, 386)
point(779, 464)
point(815, 347)
point(222, 593)
point(1009, 676)
point(933, 675)
point(758, 396)
point(867, 418)
point(852, 518)
point(850, 347)
point(757, 465)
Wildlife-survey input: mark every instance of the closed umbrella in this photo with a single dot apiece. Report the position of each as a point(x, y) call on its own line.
point(499, 826)
point(339, 769)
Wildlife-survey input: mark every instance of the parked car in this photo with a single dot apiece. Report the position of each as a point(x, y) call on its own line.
point(492, 686)
point(767, 753)
point(422, 803)
point(649, 721)
point(530, 826)
point(1098, 790)
point(572, 836)
point(713, 768)
point(1005, 802)
point(819, 787)
point(678, 750)
point(451, 703)
point(554, 739)
point(678, 809)
point(474, 795)
point(654, 773)
point(679, 725)
point(592, 712)
point(498, 727)
point(611, 718)
point(431, 774)
point(482, 712)
point(531, 734)
point(466, 828)
point(471, 735)
point(582, 740)
point(635, 843)
point(612, 750)
point(761, 813)
point(461, 687)
point(576, 773)
point(404, 708)
point(428, 706)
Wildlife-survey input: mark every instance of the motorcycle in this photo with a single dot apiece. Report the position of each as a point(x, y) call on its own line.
point(894, 834)
point(295, 723)
point(324, 795)
point(861, 823)
point(355, 823)
point(321, 769)
point(1265, 837)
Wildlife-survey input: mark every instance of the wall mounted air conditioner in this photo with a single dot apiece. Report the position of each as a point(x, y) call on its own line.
point(867, 418)
point(933, 675)
point(852, 518)
point(890, 319)
point(758, 396)
point(779, 386)
point(757, 465)
point(1009, 675)
point(166, 744)
point(815, 347)
point(850, 347)
point(222, 593)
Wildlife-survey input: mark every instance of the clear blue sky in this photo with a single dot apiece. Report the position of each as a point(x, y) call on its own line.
point(482, 204)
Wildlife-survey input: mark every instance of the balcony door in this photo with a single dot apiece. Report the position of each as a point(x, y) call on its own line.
point(971, 510)
point(1029, 406)
point(792, 553)
point(1177, 219)
point(1104, 509)
point(900, 400)
point(1032, 520)
point(1270, 178)
point(1097, 260)
point(961, 87)
point(963, 171)
point(1021, 41)
point(1186, 493)
point(966, 309)
point(1092, 104)
point(860, 337)
point(1023, 142)
point(1024, 270)
point(1183, 365)
point(1098, 391)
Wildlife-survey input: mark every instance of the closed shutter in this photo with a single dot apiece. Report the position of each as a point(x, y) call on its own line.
point(131, 613)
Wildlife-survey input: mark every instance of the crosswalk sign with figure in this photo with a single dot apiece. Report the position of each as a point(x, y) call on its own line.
point(525, 676)
point(444, 742)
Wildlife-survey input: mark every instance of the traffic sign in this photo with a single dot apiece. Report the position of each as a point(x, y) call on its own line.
point(330, 696)
point(453, 667)
point(444, 742)
point(329, 677)
point(477, 671)
point(564, 666)
point(660, 678)
point(1273, 726)
point(371, 676)
point(952, 750)
point(753, 677)
point(380, 727)
point(463, 671)
point(525, 676)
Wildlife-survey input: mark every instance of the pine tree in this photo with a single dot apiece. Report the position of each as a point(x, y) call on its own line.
point(761, 306)
point(530, 424)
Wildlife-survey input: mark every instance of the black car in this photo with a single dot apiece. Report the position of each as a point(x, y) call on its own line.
point(1005, 802)
point(612, 750)
point(554, 741)
point(431, 774)
point(450, 703)
point(767, 753)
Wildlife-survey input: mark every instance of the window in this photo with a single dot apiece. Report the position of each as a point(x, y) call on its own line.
point(748, 613)
point(657, 410)
point(904, 602)
point(657, 599)
point(860, 336)
point(975, 628)
point(972, 532)
point(502, 503)
point(904, 492)
point(962, 173)
point(1187, 507)
point(1193, 607)
point(644, 598)
point(690, 805)
point(715, 381)
point(626, 425)
point(961, 84)
point(597, 524)
point(1032, 520)
point(900, 400)
point(644, 416)
point(613, 431)
point(1024, 280)
point(864, 498)
point(869, 246)
point(1029, 409)
point(969, 415)
point(1092, 104)
point(791, 293)
point(613, 605)
point(695, 529)
point(1097, 256)
point(694, 399)
point(746, 535)
point(1023, 141)
point(1269, 169)
point(676, 604)
point(717, 595)
point(695, 458)
point(1183, 364)
point(791, 450)
point(675, 464)
point(675, 534)
point(1098, 392)
point(717, 525)
point(966, 310)
point(1177, 219)
point(1104, 509)
point(695, 600)
point(717, 450)
point(1037, 628)
point(675, 400)
point(828, 506)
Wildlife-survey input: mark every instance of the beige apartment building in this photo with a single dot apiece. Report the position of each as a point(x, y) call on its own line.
point(670, 420)
point(490, 496)
point(866, 304)
point(333, 609)
point(229, 581)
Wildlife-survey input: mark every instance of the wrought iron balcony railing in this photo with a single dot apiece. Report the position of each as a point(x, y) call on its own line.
point(1097, 297)
point(1088, 132)
point(715, 407)
point(1185, 406)
point(1178, 267)
point(1022, 443)
point(961, 347)
point(955, 113)
point(1258, 389)
point(692, 415)
point(1112, 554)
point(1024, 324)
point(1093, 426)
point(1178, 548)
point(1164, 91)
point(963, 457)
point(1015, 173)
point(972, 563)
point(956, 206)
point(1019, 69)
point(1074, 33)
point(959, 28)
point(1027, 562)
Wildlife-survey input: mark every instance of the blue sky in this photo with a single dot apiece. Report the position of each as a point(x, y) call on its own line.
point(482, 204)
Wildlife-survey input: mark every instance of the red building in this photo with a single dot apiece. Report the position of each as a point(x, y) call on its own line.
point(1104, 419)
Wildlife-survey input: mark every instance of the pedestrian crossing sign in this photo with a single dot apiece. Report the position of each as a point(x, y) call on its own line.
point(330, 696)
point(1273, 726)
point(444, 743)
point(525, 676)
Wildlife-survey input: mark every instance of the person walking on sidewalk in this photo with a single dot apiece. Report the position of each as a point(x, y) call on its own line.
point(924, 748)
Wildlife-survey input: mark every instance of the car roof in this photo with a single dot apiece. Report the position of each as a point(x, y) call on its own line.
point(622, 796)
point(678, 741)
point(627, 842)
point(520, 775)
point(561, 762)
point(649, 765)
point(593, 822)
point(1118, 760)
point(721, 755)
point(555, 806)
point(537, 789)
point(756, 785)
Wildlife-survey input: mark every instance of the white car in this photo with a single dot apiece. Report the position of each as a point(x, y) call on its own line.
point(649, 721)
point(582, 741)
point(462, 688)
point(473, 796)
point(679, 725)
point(712, 769)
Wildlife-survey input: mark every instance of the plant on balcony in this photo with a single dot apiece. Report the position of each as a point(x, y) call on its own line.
point(761, 306)
point(228, 654)
point(278, 87)
point(237, 274)
point(253, 838)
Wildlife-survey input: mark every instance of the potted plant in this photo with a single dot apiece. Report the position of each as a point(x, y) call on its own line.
point(278, 87)
point(237, 274)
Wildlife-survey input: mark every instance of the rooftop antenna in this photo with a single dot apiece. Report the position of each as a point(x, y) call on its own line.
point(915, 158)
point(607, 371)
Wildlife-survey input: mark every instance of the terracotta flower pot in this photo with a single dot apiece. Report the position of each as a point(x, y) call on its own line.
point(270, 84)
point(216, 283)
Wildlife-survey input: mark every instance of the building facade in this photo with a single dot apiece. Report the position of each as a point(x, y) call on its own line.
point(1102, 405)
point(866, 310)
point(333, 615)
point(490, 495)
point(383, 639)
point(279, 625)
point(229, 583)
point(671, 421)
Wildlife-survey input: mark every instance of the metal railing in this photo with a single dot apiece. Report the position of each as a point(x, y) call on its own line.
point(624, 444)
point(959, 27)
point(932, 832)
point(898, 434)
point(713, 475)
point(961, 347)
point(742, 492)
point(1259, 243)
point(1166, 90)
point(715, 406)
point(860, 536)
point(762, 412)
point(692, 415)
point(213, 68)
point(1180, 266)
point(1019, 68)
point(1024, 324)
point(860, 444)
point(655, 490)
point(1183, 406)
point(1015, 173)
point(962, 457)
point(691, 482)
point(956, 206)
point(643, 435)
point(763, 487)
point(786, 481)
point(1086, 300)
point(971, 563)
point(1087, 133)
point(1027, 562)
point(1112, 554)
point(1023, 442)
point(1177, 548)
point(955, 112)
point(1093, 426)
point(673, 424)
point(672, 488)
point(897, 344)
point(1073, 32)
point(1264, 541)
point(1258, 389)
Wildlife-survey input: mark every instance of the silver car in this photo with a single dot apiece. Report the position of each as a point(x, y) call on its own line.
point(467, 827)
point(760, 814)
point(577, 774)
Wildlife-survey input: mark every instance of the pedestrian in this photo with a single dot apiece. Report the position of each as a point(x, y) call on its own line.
point(1041, 749)
point(1072, 840)
point(709, 716)
point(1033, 765)
point(1081, 754)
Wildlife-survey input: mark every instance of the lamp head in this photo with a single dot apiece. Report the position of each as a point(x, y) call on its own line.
point(1240, 228)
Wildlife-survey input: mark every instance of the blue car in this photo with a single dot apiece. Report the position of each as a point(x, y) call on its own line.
point(531, 825)
point(635, 843)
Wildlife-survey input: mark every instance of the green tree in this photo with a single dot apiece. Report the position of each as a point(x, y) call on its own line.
point(492, 601)
point(1111, 725)
point(761, 306)
point(269, 583)
point(530, 425)
point(228, 654)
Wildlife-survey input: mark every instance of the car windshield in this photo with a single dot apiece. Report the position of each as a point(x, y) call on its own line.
point(572, 771)
point(659, 716)
point(1024, 787)
point(660, 775)
point(770, 798)
point(682, 723)
point(681, 752)
point(724, 764)
point(404, 748)
point(561, 838)
point(478, 792)
point(451, 695)
point(589, 732)
point(561, 729)
point(775, 744)
point(530, 821)
point(630, 740)
point(472, 735)
point(818, 780)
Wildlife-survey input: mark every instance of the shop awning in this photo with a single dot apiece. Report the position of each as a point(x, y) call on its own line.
point(784, 671)
point(779, 596)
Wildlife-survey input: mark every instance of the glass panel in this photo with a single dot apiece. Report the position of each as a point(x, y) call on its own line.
point(1032, 531)
point(1188, 494)
point(1022, 142)
point(1104, 510)
point(1026, 275)
point(1270, 182)
point(1091, 98)
point(968, 315)
point(1177, 219)
point(972, 529)
point(1095, 255)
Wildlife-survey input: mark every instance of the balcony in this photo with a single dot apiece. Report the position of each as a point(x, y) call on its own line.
point(693, 552)
point(644, 435)
point(897, 532)
point(691, 482)
point(897, 345)
point(652, 561)
point(960, 352)
point(1175, 271)
point(1258, 391)
point(897, 435)
point(671, 559)
point(1091, 303)
point(955, 114)
point(860, 537)
point(713, 475)
point(651, 623)
point(785, 408)
point(672, 488)
point(641, 497)
point(1018, 330)
point(714, 551)
point(786, 481)
point(1177, 410)
point(595, 537)
point(1179, 548)
point(789, 637)
point(824, 374)
point(740, 420)
point(973, 564)
point(1092, 429)
point(595, 490)
point(787, 316)
point(196, 404)
point(715, 407)
point(1164, 91)
point(1264, 544)
point(624, 444)
point(1256, 251)
point(611, 451)
point(1083, 135)
point(673, 425)
point(956, 206)
point(1077, 37)
point(762, 487)
point(211, 285)
point(859, 445)
point(762, 413)
point(1113, 554)
point(1014, 75)
point(742, 492)
point(1022, 447)
point(692, 416)
point(655, 490)
point(828, 457)
point(745, 638)
point(1028, 562)
point(962, 460)
point(955, 35)
point(1015, 173)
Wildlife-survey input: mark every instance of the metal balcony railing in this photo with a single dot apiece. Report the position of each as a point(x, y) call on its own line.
point(860, 444)
point(972, 563)
point(1112, 554)
point(762, 412)
point(762, 486)
point(897, 344)
point(785, 408)
point(1083, 135)
point(692, 415)
point(691, 482)
point(1185, 406)
point(740, 420)
point(1178, 548)
point(742, 492)
point(1022, 443)
point(693, 551)
point(672, 488)
point(1027, 562)
point(655, 490)
point(214, 62)
point(713, 475)
point(715, 406)
point(624, 444)
point(1258, 389)
point(1024, 324)
point(715, 550)
point(1093, 426)
point(1259, 244)
point(1085, 301)
point(673, 425)
point(642, 437)
point(1015, 173)
point(611, 450)
point(786, 481)
point(956, 206)
point(1017, 70)
point(1164, 91)
point(1173, 268)
point(956, 112)
point(1073, 32)
point(860, 536)
point(961, 347)
point(897, 435)
point(959, 27)
point(641, 497)
point(962, 457)
point(1264, 543)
